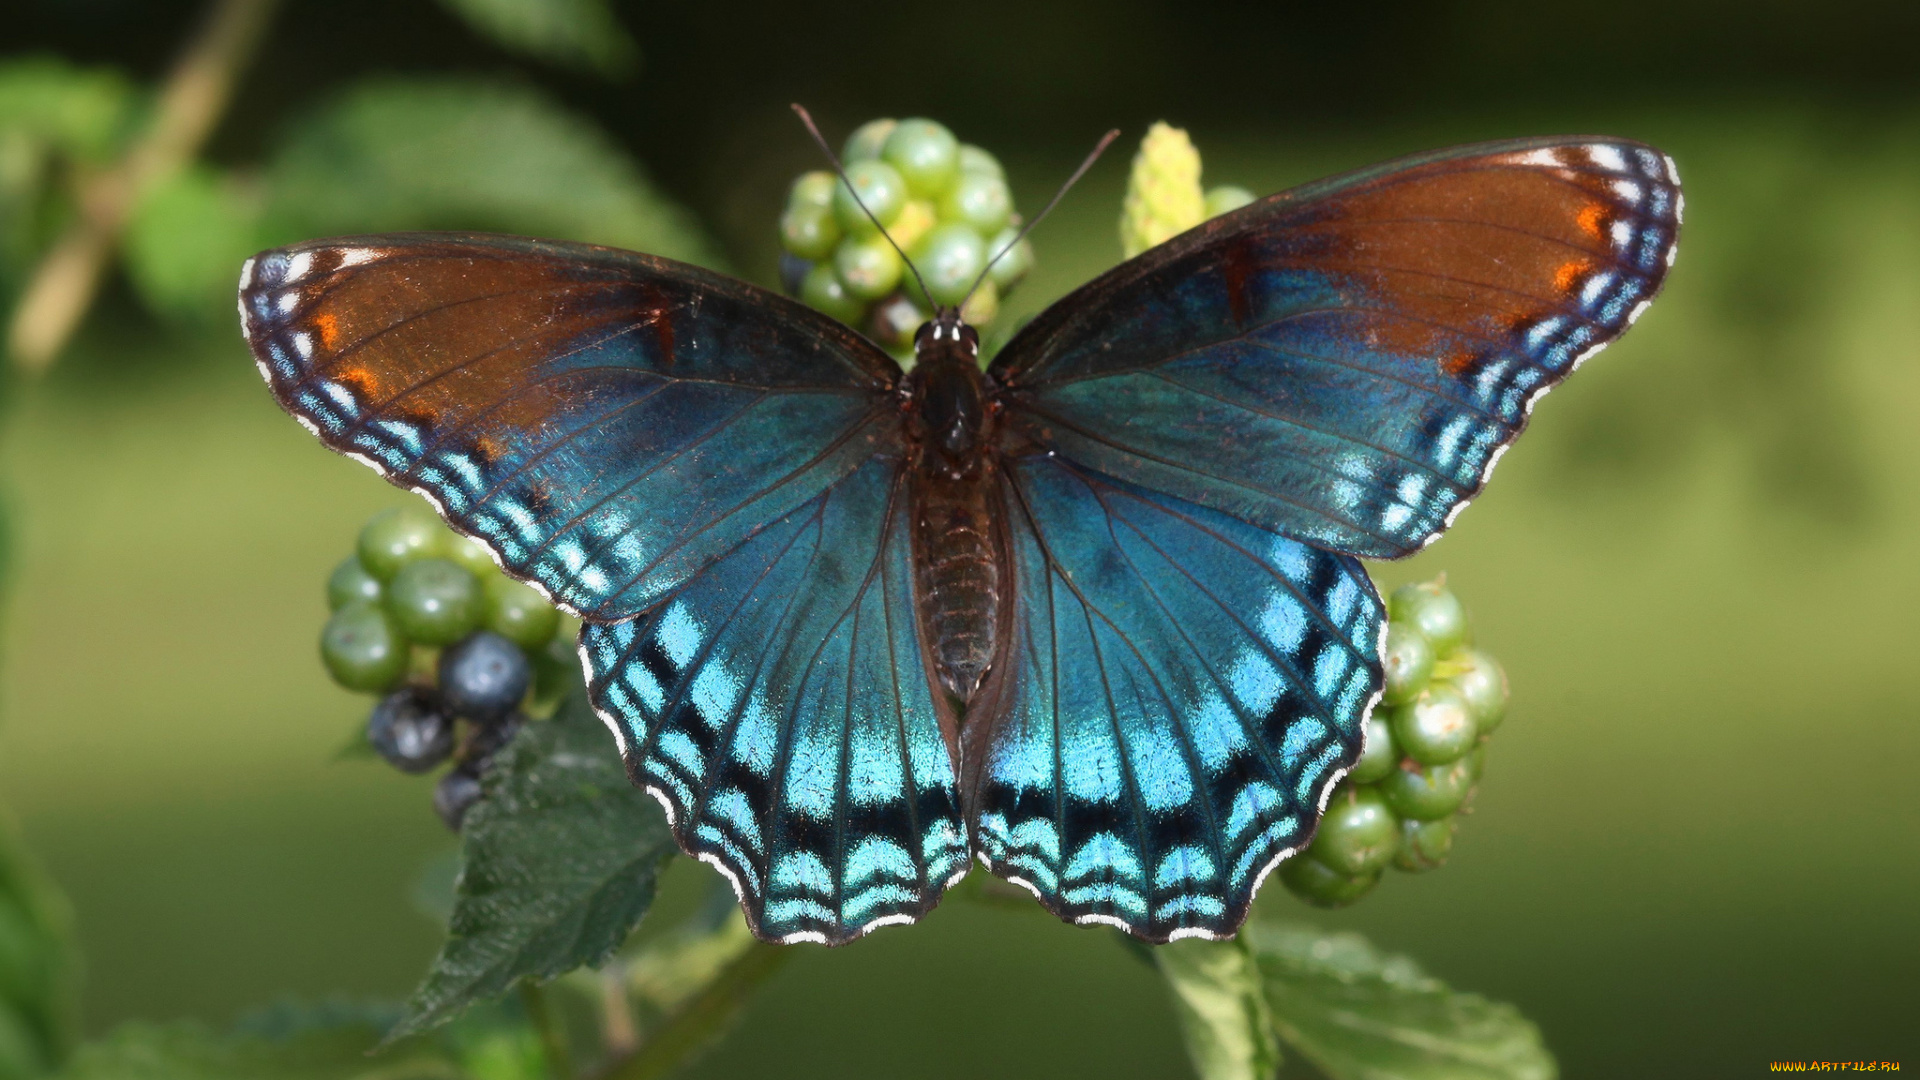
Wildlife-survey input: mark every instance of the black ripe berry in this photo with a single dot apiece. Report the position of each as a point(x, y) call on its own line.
point(486, 740)
point(483, 677)
point(411, 729)
point(454, 795)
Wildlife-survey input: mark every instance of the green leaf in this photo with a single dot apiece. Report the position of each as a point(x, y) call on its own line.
point(1223, 1013)
point(1359, 1014)
point(50, 110)
point(39, 1005)
point(83, 112)
point(560, 861)
point(572, 33)
point(452, 154)
point(184, 240)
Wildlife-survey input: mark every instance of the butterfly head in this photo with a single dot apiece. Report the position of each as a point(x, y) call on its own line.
point(945, 332)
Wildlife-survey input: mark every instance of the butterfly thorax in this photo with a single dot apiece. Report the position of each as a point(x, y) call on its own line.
point(960, 564)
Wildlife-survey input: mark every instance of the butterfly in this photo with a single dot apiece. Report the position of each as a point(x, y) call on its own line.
point(1093, 616)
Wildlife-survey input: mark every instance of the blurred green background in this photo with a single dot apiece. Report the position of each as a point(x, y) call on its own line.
point(1698, 846)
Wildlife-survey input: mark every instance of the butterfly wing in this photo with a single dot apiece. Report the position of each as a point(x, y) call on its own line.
point(606, 422)
point(1182, 691)
point(1345, 362)
point(777, 706)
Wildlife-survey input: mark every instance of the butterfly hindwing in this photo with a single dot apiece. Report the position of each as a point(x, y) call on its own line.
point(1344, 362)
point(605, 421)
point(777, 705)
point(1183, 689)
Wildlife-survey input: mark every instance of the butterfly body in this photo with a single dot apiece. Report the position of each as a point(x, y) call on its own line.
point(1093, 617)
point(958, 542)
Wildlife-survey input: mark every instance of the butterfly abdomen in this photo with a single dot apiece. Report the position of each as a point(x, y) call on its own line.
point(959, 577)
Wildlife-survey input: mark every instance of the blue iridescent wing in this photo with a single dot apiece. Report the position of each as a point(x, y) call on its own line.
point(778, 707)
point(1345, 362)
point(1182, 690)
point(606, 422)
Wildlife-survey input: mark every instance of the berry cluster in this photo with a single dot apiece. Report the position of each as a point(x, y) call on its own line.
point(1425, 748)
point(945, 203)
point(456, 649)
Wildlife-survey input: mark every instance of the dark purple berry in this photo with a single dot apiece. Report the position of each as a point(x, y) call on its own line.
point(486, 740)
point(411, 730)
point(793, 271)
point(483, 677)
point(454, 795)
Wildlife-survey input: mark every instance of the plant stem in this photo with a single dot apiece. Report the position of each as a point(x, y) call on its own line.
point(616, 1011)
point(553, 1042)
point(696, 1022)
point(190, 103)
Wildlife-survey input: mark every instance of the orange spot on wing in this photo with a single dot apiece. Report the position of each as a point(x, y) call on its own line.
point(1592, 219)
point(1569, 273)
point(328, 327)
point(1458, 362)
point(364, 382)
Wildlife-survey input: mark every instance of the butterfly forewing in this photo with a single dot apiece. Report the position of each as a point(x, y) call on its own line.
point(1344, 363)
point(606, 422)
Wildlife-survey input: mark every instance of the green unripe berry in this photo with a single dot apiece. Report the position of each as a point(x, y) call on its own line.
point(1408, 660)
point(1424, 845)
point(473, 555)
point(916, 219)
point(926, 154)
point(867, 139)
point(556, 668)
point(350, 583)
point(519, 614)
point(1483, 685)
point(1012, 266)
point(1428, 794)
point(1226, 198)
point(1358, 834)
point(950, 258)
point(363, 649)
point(868, 266)
point(1321, 885)
point(983, 305)
point(978, 200)
point(812, 189)
point(397, 536)
point(1433, 610)
point(1436, 727)
point(880, 188)
point(894, 321)
point(823, 291)
point(1380, 756)
point(809, 231)
point(972, 159)
point(435, 601)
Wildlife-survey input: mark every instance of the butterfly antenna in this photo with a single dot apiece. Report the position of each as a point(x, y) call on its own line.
point(1098, 149)
point(807, 119)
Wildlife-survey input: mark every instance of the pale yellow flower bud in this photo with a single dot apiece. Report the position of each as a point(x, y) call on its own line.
point(1163, 192)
